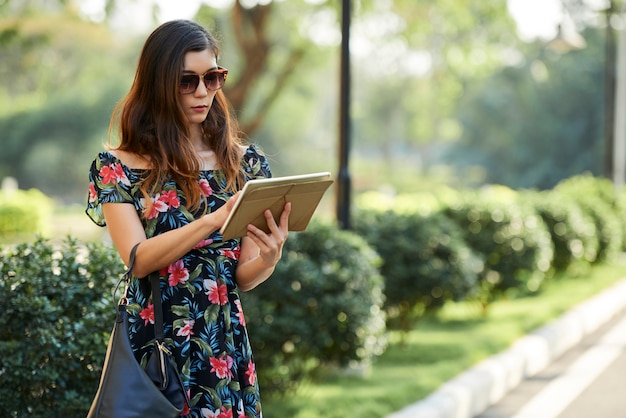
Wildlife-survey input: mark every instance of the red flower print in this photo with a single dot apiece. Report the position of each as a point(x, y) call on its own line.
point(170, 198)
point(157, 206)
point(251, 373)
point(203, 243)
point(186, 409)
point(242, 319)
point(232, 254)
point(221, 367)
point(223, 413)
point(112, 174)
point(147, 314)
point(92, 193)
point(205, 187)
point(178, 273)
point(226, 413)
point(217, 293)
point(187, 330)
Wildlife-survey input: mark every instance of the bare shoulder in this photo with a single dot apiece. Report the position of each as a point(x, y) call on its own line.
point(130, 159)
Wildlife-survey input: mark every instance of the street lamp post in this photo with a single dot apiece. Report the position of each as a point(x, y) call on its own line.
point(609, 93)
point(343, 177)
point(619, 133)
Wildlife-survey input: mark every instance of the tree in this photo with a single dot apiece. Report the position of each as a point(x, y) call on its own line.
point(425, 62)
point(537, 123)
point(250, 29)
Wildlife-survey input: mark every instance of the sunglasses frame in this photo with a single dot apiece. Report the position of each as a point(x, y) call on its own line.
point(219, 70)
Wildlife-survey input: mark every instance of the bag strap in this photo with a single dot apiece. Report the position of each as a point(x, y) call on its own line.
point(126, 277)
point(156, 297)
point(155, 282)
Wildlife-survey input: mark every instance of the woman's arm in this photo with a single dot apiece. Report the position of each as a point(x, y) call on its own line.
point(162, 250)
point(260, 252)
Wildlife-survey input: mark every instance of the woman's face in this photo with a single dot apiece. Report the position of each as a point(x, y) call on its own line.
point(196, 105)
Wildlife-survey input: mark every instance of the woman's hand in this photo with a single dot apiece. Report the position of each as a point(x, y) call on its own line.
point(219, 216)
point(271, 245)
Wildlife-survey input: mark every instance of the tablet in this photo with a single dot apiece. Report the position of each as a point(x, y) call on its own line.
point(304, 191)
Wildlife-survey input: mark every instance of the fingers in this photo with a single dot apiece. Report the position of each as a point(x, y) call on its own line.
point(271, 244)
point(284, 217)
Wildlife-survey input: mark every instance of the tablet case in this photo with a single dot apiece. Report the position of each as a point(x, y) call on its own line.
point(303, 191)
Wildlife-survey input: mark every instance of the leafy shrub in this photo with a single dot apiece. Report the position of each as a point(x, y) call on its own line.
point(597, 198)
point(425, 261)
point(24, 212)
point(58, 310)
point(321, 307)
point(573, 232)
point(510, 235)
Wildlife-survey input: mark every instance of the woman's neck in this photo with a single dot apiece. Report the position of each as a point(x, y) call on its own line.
point(197, 138)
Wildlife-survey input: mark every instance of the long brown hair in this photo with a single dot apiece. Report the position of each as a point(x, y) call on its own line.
point(152, 123)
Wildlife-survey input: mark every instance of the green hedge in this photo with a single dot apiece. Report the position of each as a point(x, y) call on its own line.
point(511, 236)
point(598, 199)
point(572, 230)
point(58, 313)
point(425, 262)
point(321, 307)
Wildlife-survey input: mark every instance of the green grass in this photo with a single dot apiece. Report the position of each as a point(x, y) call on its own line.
point(439, 349)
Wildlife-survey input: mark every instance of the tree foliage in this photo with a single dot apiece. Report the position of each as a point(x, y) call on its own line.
point(432, 86)
point(536, 123)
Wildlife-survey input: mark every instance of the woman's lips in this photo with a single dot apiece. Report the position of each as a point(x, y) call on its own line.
point(199, 109)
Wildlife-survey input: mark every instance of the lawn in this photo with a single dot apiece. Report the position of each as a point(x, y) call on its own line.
point(439, 349)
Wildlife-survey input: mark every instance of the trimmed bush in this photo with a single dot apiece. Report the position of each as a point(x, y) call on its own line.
point(59, 313)
point(597, 198)
point(510, 235)
point(572, 231)
point(321, 307)
point(425, 262)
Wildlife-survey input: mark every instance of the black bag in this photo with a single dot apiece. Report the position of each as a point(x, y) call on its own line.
point(126, 390)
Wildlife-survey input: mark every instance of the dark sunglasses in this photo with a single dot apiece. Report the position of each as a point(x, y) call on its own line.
point(213, 80)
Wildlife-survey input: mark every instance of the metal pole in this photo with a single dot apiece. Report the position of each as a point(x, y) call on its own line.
point(343, 177)
point(619, 135)
point(609, 93)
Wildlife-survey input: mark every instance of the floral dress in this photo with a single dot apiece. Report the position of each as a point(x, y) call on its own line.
point(204, 325)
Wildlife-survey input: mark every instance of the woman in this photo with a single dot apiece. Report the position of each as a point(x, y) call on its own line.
point(170, 185)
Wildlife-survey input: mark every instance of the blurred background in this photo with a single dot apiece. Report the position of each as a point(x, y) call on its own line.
point(492, 130)
point(457, 92)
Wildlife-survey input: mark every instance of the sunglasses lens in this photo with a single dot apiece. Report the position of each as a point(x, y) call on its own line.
point(214, 80)
point(188, 83)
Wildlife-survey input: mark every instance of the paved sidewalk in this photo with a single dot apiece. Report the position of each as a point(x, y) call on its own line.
point(585, 382)
point(474, 391)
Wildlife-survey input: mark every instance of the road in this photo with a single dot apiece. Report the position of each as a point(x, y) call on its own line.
point(588, 381)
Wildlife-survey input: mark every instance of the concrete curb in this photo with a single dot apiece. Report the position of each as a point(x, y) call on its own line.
point(470, 393)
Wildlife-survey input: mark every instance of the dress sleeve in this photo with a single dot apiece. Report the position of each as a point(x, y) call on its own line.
point(255, 163)
point(108, 183)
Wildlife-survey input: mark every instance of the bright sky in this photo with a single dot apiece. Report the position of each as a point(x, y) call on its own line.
point(536, 18)
point(540, 18)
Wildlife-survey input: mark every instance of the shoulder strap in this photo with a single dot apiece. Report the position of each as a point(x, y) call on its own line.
point(126, 276)
point(155, 282)
point(156, 294)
